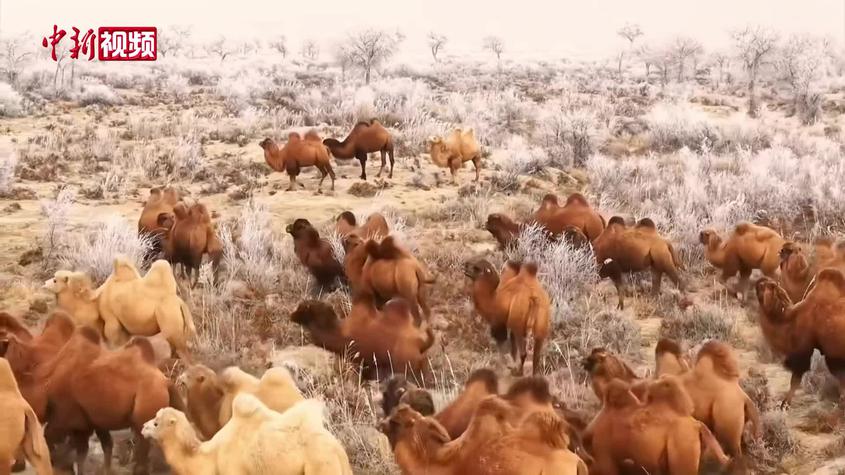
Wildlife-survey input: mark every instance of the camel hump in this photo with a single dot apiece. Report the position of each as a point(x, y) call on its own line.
point(616, 220)
point(469, 132)
point(535, 386)
point(646, 224)
point(312, 136)
point(744, 228)
point(550, 199)
point(349, 217)
point(833, 276)
point(487, 377)
point(145, 348)
point(666, 345)
point(724, 360)
point(388, 249)
point(294, 136)
point(577, 198)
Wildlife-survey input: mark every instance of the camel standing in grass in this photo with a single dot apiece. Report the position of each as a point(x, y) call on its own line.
point(296, 154)
point(459, 147)
point(365, 137)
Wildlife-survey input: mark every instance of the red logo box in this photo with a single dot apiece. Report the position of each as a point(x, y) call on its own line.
point(127, 43)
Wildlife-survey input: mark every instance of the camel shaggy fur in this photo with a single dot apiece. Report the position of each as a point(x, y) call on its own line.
point(458, 147)
point(92, 389)
point(316, 254)
point(713, 385)
point(815, 323)
point(383, 341)
point(209, 396)
point(603, 367)
point(74, 295)
point(620, 249)
point(144, 306)
point(191, 234)
point(749, 247)
point(297, 154)
point(256, 441)
point(20, 431)
point(658, 436)
point(491, 445)
point(798, 265)
point(366, 137)
point(387, 270)
point(375, 227)
point(514, 305)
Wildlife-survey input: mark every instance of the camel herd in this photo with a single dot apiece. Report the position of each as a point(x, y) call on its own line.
point(91, 369)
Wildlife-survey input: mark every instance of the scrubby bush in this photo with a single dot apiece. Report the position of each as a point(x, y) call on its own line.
point(99, 94)
point(176, 86)
point(701, 322)
point(93, 250)
point(11, 103)
point(8, 162)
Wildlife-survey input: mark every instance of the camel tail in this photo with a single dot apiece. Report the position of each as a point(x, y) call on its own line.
point(675, 258)
point(188, 320)
point(752, 415)
point(710, 444)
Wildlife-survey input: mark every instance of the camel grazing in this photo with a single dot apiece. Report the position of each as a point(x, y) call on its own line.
point(296, 154)
point(365, 137)
point(459, 147)
point(191, 234)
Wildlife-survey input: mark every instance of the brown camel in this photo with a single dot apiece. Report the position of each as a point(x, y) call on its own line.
point(296, 154)
point(365, 137)
point(749, 247)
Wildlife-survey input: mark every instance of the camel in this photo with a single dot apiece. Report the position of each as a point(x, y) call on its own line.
point(798, 265)
point(656, 436)
point(190, 235)
point(375, 227)
point(21, 433)
point(383, 341)
point(297, 154)
point(603, 367)
point(576, 212)
point(620, 249)
point(160, 202)
point(459, 147)
point(316, 254)
point(713, 385)
point(365, 137)
point(815, 323)
point(386, 269)
point(513, 304)
point(749, 247)
point(74, 295)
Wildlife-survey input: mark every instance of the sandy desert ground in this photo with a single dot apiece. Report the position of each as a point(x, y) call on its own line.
point(77, 163)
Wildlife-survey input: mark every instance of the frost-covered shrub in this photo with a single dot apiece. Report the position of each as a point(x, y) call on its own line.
point(176, 86)
point(100, 94)
point(93, 250)
point(676, 125)
point(11, 103)
point(8, 162)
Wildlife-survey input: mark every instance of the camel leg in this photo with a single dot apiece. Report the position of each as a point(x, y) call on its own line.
point(836, 366)
point(798, 365)
point(6, 466)
point(453, 169)
point(656, 280)
point(519, 343)
point(477, 162)
point(108, 449)
point(500, 336)
point(742, 285)
point(292, 186)
point(537, 356)
point(114, 332)
point(79, 441)
point(331, 174)
point(19, 464)
point(142, 454)
point(362, 158)
point(383, 154)
point(390, 156)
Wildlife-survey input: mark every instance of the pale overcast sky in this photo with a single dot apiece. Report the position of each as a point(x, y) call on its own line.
point(530, 28)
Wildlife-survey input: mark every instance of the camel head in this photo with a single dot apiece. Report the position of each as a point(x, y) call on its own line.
point(352, 242)
point(196, 375)
point(302, 229)
point(314, 313)
point(77, 283)
point(792, 258)
point(268, 144)
point(709, 238)
point(504, 229)
point(669, 390)
point(669, 358)
point(346, 222)
point(529, 391)
point(478, 268)
point(605, 363)
point(575, 237)
point(399, 390)
point(405, 423)
point(773, 300)
point(170, 424)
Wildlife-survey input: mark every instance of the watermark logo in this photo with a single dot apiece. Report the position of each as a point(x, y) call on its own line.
point(110, 43)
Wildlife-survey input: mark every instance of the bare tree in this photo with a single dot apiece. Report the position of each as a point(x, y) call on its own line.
point(14, 57)
point(800, 63)
point(682, 49)
point(436, 43)
point(343, 58)
point(495, 45)
point(310, 50)
point(220, 48)
point(753, 46)
point(646, 54)
point(721, 60)
point(182, 36)
point(630, 31)
point(279, 44)
point(371, 48)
